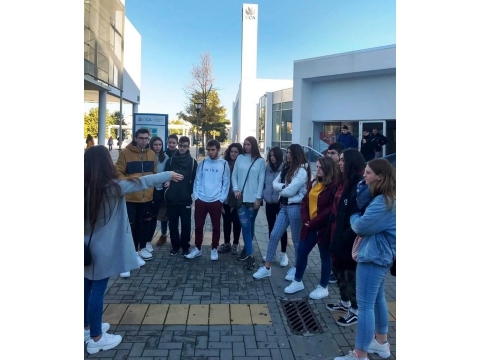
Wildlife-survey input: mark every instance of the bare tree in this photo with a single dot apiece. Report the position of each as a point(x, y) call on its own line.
point(202, 80)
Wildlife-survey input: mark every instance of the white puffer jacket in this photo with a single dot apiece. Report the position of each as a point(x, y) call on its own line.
point(296, 189)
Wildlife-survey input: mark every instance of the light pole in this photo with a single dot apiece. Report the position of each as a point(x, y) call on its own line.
point(198, 107)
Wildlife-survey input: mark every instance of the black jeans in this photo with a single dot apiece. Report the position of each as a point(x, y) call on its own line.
point(346, 281)
point(184, 213)
point(153, 212)
point(272, 210)
point(229, 218)
point(136, 215)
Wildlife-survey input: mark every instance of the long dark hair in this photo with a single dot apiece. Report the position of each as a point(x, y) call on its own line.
point(254, 150)
point(89, 138)
point(161, 154)
point(239, 147)
point(99, 176)
point(278, 154)
point(353, 166)
point(298, 159)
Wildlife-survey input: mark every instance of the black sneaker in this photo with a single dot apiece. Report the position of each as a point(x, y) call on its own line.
point(234, 249)
point(174, 252)
point(337, 307)
point(185, 252)
point(249, 263)
point(332, 279)
point(224, 248)
point(243, 255)
point(348, 319)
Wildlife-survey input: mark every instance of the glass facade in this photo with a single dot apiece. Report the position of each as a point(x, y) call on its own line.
point(282, 124)
point(103, 40)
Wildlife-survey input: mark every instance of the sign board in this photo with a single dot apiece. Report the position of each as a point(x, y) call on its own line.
point(157, 124)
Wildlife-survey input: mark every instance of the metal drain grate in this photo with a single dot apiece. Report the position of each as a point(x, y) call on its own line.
point(300, 317)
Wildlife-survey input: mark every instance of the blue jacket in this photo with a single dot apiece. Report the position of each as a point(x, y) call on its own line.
point(348, 140)
point(378, 228)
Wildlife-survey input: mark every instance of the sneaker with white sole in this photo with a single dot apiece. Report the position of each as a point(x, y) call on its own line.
point(332, 279)
point(125, 274)
point(214, 255)
point(145, 255)
point(262, 272)
point(194, 253)
point(348, 319)
point(338, 306)
point(141, 262)
point(383, 350)
point(149, 247)
point(291, 274)
point(294, 287)
point(319, 293)
point(352, 355)
point(283, 259)
point(106, 342)
point(86, 333)
point(234, 250)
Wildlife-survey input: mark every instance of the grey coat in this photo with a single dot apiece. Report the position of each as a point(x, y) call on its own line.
point(269, 194)
point(112, 246)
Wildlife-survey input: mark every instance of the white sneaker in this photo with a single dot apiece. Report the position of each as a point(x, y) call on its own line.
point(383, 350)
point(149, 247)
point(141, 262)
point(194, 253)
point(107, 342)
point(294, 287)
point(262, 272)
point(291, 274)
point(86, 333)
point(125, 274)
point(352, 355)
point(283, 259)
point(319, 293)
point(145, 255)
point(214, 255)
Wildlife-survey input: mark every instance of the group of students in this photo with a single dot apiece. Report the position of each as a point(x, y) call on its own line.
point(348, 211)
point(332, 211)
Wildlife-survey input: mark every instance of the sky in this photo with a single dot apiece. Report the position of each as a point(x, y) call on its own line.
point(175, 33)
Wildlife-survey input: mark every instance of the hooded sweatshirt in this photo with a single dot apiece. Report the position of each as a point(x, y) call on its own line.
point(180, 193)
point(212, 181)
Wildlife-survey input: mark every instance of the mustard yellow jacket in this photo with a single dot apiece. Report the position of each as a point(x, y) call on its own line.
point(134, 162)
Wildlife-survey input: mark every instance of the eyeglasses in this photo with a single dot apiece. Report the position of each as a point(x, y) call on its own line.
point(183, 146)
point(142, 138)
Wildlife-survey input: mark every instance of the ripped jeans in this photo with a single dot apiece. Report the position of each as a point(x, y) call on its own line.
point(247, 216)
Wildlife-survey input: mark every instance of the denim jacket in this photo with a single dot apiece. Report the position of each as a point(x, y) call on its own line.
point(378, 228)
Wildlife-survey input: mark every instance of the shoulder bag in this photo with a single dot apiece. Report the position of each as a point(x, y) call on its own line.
point(232, 201)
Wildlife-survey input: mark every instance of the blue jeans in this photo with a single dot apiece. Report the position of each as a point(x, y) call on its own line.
point(304, 249)
point(93, 292)
point(372, 306)
point(288, 216)
point(247, 216)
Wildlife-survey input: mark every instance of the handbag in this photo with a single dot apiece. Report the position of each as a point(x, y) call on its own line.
point(356, 246)
point(237, 203)
point(87, 258)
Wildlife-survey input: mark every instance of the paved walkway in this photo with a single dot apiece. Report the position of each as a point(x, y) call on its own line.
point(175, 308)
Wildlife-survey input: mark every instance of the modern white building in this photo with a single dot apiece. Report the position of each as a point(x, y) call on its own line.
point(112, 58)
point(357, 89)
point(244, 110)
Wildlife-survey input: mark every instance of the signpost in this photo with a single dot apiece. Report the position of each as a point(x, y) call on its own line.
point(157, 124)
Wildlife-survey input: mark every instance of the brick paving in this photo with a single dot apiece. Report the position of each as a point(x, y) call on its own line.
point(175, 280)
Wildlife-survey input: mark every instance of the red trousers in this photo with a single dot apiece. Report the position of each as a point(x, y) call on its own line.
point(203, 208)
